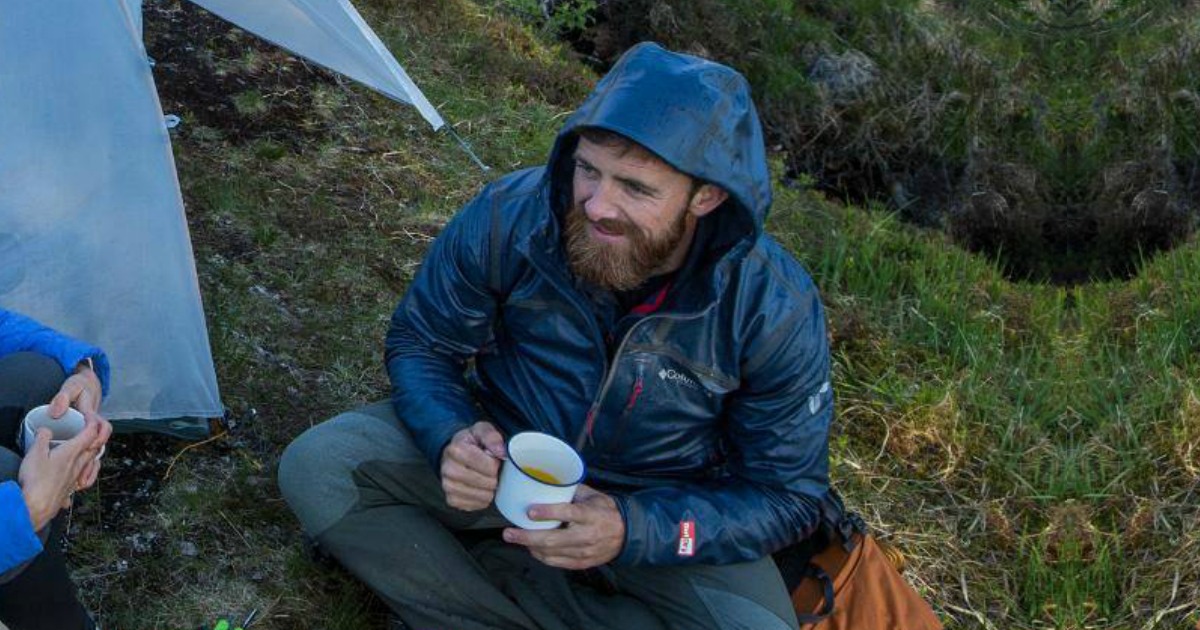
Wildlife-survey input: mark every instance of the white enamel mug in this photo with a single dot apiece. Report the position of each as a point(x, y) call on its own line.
point(540, 469)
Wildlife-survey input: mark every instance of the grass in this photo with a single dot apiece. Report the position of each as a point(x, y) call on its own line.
point(1034, 450)
point(1063, 110)
point(1041, 437)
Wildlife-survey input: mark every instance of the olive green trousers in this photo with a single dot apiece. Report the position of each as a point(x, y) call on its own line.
point(368, 497)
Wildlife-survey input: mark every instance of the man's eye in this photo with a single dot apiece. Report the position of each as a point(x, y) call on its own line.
point(585, 169)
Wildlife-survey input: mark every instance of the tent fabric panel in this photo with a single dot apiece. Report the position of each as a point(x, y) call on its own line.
point(330, 33)
point(133, 12)
point(93, 239)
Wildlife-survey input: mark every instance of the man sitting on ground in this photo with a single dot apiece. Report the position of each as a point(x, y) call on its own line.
point(625, 299)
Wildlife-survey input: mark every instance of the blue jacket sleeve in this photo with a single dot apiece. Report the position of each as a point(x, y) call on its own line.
point(22, 334)
point(778, 431)
point(18, 541)
point(443, 320)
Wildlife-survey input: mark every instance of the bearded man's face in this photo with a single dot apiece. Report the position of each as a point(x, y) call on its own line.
point(629, 216)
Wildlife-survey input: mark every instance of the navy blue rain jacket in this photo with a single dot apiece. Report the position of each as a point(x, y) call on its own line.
point(709, 424)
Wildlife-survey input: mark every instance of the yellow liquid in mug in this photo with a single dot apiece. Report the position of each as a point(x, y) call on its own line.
point(541, 475)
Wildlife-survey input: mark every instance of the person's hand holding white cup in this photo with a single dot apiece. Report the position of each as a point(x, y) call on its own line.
point(48, 477)
point(62, 429)
point(540, 469)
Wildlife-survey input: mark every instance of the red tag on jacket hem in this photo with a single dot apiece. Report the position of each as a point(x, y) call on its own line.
point(687, 538)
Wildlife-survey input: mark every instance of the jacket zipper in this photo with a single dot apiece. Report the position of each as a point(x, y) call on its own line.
point(610, 372)
point(585, 435)
point(565, 289)
point(638, 385)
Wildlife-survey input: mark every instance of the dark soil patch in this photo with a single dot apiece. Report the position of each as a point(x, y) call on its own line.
point(131, 477)
point(223, 236)
point(118, 538)
point(1039, 228)
point(116, 512)
point(137, 465)
point(215, 75)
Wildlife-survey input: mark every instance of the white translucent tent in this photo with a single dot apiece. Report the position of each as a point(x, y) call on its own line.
point(93, 239)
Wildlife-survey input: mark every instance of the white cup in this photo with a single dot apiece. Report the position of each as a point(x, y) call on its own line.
point(540, 469)
point(61, 429)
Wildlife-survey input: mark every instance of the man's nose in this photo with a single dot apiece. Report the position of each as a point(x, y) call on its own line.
point(599, 205)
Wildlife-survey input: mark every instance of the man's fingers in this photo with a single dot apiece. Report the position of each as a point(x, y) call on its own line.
point(87, 401)
point(75, 391)
point(593, 534)
point(471, 455)
point(469, 474)
point(83, 441)
point(570, 536)
point(468, 477)
point(545, 539)
point(563, 544)
point(87, 391)
point(81, 468)
point(490, 439)
point(568, 548)
point(470, 498)
point(565, 512)
point(467, 489)
point(526, 537)
point(465, 497)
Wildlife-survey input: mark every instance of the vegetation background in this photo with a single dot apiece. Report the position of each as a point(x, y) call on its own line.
point(996, 200)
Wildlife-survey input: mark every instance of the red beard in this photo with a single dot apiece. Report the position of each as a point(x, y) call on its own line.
point(618, 267)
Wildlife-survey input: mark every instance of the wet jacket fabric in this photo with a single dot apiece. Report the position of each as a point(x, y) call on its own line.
point(709, 423)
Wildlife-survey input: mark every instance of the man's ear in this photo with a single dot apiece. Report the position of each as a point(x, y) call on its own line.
point(707, 199)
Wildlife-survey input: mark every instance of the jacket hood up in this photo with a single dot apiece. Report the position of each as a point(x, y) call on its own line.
point(717, 402)
point(697, 116)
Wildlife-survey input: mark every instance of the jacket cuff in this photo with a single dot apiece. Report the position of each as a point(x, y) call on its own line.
point(437, 447)
point(632, 548)
point(102, 369)
point(70, 358)
point(430, 440)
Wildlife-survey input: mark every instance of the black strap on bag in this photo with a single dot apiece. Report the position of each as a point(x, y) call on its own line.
point(795, 562)
point(817, 573)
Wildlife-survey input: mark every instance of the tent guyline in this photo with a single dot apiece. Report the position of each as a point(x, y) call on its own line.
point(466, 147)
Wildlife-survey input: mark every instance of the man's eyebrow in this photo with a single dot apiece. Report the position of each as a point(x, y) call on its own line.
point(631, 182)
point(640, 185)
